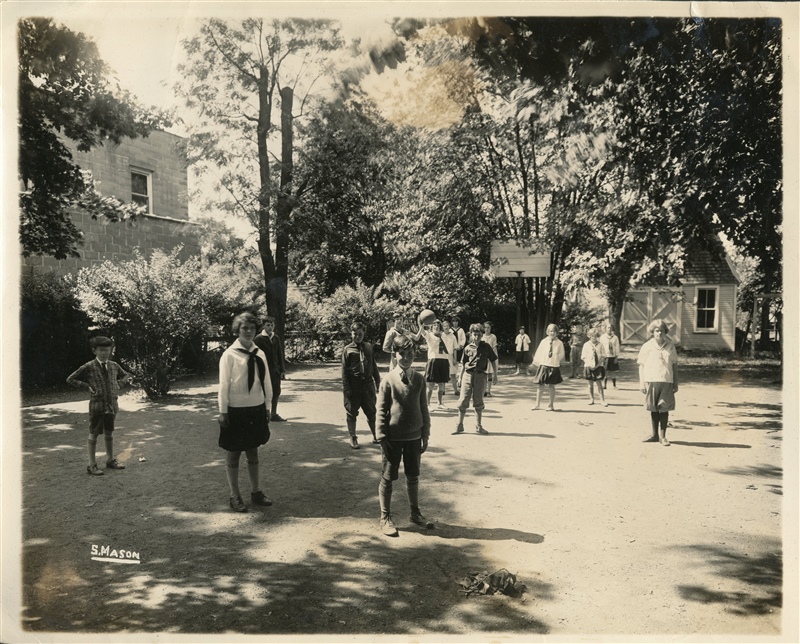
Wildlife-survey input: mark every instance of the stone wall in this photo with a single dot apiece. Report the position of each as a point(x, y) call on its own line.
point(163, 157)
point(116, 241)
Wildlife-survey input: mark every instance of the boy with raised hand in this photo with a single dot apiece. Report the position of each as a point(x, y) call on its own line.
point(403, 429)
point(103, 378)
point(477, 357)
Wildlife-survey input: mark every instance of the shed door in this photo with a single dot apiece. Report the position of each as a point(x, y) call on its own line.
point(635, 317)
point(642, 307)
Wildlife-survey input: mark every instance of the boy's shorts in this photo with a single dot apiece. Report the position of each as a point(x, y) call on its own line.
point(101, 424)
point(472, 385)
point(409, 451)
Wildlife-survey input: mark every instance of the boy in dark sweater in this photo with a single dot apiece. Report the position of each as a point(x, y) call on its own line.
point(472, 378)
point(403, 429)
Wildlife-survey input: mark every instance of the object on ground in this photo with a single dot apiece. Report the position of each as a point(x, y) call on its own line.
point(427, 316)
point(500, 581)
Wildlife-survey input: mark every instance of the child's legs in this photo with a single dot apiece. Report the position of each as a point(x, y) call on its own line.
point(440, 391)
point(352, 403)
point(252, 468)
point(275, 380)
point(466, 393)
point(552, 394)
point(654, 422)
point(368, 403)
point(390, 471)
point(108, 434)
point(429, 387)
point(488, 386)
point(539, 394)
point(454, 381)
point(591, 389)
point(478, 387)
point(600, 391)
point(232, 470)
point(412, 458)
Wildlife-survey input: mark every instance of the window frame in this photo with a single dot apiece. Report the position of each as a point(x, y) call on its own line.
point(148, 174)
point(697, 309)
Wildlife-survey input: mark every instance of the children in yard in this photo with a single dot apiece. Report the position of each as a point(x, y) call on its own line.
point(658, 379)
point(522, 344)
point(270, 343)
point(360, 380)
point(594, 365)
point(447, 331)
point(103, 378)
point(244, 389)
point(478, 356)
point(490, 339)
point(610, 341)
point(576, 342)
point(548, 357)
point(441, 348)
point(404, 426)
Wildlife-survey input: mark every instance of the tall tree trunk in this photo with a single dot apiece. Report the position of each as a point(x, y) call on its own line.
point(262, 131)
point(277, 286)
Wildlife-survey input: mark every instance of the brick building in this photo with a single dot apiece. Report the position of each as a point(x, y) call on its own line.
point(150, 171)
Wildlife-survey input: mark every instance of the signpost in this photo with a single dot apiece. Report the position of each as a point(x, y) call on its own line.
point(509, 259)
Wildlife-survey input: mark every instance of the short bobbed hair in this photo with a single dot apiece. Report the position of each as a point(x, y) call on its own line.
point(476, 328)
point(552, 326)
point(657, 324)
point(244, 318)
point(355, 326)
point(594, 333)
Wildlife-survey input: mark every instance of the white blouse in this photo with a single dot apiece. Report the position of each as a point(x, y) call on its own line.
point(233, 391)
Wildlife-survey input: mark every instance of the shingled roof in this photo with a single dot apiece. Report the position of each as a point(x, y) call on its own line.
point(703, 266)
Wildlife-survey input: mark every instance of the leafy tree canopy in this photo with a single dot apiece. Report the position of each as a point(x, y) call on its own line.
point(65, 93)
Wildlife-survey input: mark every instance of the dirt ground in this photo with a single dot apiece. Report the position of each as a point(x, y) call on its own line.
point(610, 536)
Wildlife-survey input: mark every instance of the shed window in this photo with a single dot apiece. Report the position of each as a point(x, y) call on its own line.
point(141, 189)
point(707, 309)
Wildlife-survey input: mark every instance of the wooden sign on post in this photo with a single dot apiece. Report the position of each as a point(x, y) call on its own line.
point(511, 260)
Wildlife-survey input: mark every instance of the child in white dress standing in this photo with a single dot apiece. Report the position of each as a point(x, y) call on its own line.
point(548, 358)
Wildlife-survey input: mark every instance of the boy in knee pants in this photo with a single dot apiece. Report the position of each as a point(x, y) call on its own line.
point(403, 429)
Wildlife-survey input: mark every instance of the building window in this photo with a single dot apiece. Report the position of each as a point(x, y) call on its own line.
point(707, 309)
point(141, 189)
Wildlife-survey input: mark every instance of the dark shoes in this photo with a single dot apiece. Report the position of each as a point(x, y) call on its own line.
point(459, 429)
point(237, 504)
point(481, 431)
point(354, 443)
point(94, 470)
point(387, 526)
point(651, 439)
point(114, 465)
point(420, 520)
point(259, 499)
point(275, 418)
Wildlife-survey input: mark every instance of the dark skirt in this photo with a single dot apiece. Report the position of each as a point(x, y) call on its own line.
point(547, 375)
point(438, 370)
point(612, 364)
point(596, 373)
point(248, 427)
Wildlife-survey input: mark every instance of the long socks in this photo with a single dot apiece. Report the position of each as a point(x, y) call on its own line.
point(412, 487)
point(385, 497)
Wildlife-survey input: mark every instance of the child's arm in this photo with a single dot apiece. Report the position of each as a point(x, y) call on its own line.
point(383, 408)
point(75, 379)
point(426, 417)
point(126, 377)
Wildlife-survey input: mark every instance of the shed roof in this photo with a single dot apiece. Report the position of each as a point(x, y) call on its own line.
point(706, 267)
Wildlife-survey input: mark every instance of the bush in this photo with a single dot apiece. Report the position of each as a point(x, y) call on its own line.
point(152, 308)
point(54, 339)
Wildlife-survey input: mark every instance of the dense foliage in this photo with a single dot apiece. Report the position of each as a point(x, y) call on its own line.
point(65, 93)
point(153, 307)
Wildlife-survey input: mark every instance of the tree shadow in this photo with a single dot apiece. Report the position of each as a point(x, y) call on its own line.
point(448, 531)
point(763, 471)
point(762, 575)
point(205, 569)
point(711, 445)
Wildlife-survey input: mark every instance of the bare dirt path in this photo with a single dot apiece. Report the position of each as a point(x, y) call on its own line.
point(610, 535)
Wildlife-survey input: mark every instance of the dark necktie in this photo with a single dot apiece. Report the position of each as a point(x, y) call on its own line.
point(442, 347)
point(404, 377)
point(252, 362)
point(550, 353)
point(105, 369)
